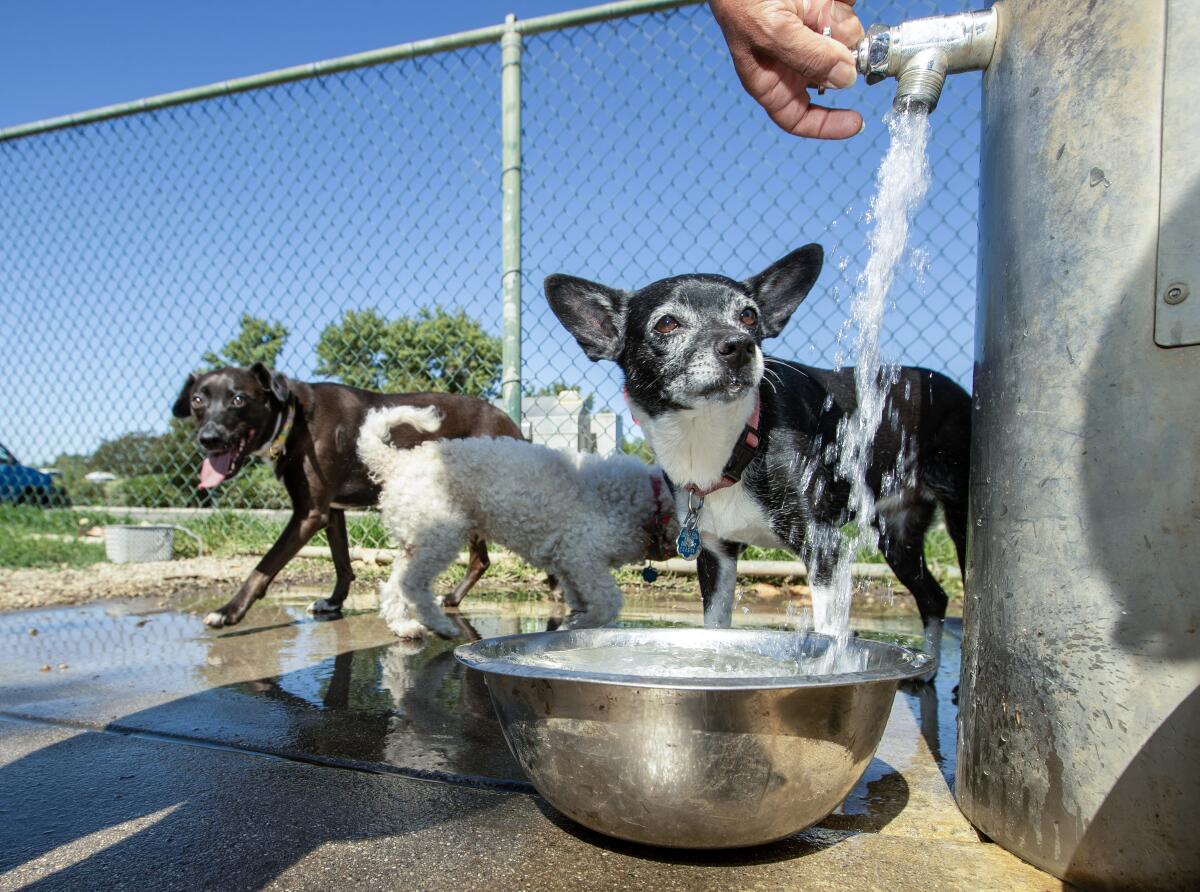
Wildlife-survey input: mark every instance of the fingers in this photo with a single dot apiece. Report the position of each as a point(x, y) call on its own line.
point(847, 29)
point(838, 16)
point(822, 60)
point(778, 51)
point(819, 122)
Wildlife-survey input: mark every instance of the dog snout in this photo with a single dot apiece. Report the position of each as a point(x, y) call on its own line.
point(211, 438)
point(736, 349)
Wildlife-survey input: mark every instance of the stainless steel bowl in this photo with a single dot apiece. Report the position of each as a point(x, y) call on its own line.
point(692, 762)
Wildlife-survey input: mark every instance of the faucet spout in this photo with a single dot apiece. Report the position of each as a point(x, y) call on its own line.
point(920, 53)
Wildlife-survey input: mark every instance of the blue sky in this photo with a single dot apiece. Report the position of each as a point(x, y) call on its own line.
point(70, 55)
point(129, 248)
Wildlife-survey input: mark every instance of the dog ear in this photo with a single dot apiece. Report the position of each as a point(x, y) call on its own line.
point(277, 383)
point(593, 313)
point(782, 286)
point(183, 402)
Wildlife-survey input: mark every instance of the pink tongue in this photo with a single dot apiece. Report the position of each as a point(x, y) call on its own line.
point(216, 468)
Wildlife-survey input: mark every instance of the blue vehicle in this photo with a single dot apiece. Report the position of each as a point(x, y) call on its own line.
point(23, 485)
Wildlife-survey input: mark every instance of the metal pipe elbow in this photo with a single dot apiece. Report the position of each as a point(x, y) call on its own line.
point(920, 53)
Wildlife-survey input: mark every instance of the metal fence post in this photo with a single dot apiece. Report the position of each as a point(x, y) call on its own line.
point(510, 220)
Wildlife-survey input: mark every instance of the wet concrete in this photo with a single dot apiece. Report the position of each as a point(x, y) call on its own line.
point(294, 752)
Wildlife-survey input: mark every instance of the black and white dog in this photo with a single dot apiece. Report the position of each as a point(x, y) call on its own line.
point(750, 440)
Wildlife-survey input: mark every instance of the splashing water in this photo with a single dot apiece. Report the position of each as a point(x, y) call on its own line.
point(902, 180)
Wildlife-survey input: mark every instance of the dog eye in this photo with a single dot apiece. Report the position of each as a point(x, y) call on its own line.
point(666, 325)
point(197, 400)
point(238, 401)
point(749, 317)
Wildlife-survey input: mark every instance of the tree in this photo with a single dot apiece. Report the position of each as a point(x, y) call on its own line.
point(434, 350)
point(256, 341)
point(127, 455)
point(177, 454)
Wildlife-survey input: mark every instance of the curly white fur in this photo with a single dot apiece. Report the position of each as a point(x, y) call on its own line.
point(574, 515)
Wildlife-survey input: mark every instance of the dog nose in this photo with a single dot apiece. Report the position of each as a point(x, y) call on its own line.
point(210, 439)
point(736, 348)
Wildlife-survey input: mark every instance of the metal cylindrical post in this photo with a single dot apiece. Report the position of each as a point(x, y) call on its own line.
point(510, 221)
point(1079, 722)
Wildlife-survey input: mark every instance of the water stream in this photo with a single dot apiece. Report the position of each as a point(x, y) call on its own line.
point(901, 182)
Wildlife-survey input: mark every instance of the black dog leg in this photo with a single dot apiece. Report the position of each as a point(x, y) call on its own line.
point(907, 560)
point(717, 569)
point(956, 526)
point(304, 524)
point(339, 548)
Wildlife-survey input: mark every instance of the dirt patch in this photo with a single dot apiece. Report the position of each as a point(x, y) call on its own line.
point(22, 589)
point(217, 578)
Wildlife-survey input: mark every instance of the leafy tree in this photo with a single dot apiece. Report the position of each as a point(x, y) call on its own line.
point(435, 350)
point(177, 454)
point(128, 455)
point(257, 341)
point(72, 470)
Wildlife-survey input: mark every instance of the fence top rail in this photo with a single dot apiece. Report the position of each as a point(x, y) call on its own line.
point(490, 34)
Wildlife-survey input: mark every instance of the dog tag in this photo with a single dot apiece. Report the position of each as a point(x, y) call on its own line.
point(688, 543)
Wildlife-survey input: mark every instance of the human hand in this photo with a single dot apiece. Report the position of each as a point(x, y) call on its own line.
point(779, 52)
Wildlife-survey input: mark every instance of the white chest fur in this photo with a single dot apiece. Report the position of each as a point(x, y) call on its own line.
point(733, 515)
point(692, 446)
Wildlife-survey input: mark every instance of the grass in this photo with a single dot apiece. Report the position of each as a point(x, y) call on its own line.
point(230, 533)
point(40, 537)
point(35, 537)
point(939, 551)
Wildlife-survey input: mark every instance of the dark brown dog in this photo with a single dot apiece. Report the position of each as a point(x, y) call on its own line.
point(309, 431)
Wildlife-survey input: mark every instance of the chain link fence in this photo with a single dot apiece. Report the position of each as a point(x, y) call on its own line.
point(348, 227)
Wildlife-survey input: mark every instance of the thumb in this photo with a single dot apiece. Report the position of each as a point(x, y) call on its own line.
point(822, 60)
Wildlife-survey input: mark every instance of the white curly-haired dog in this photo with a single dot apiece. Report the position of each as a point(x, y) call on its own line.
point(576, 516)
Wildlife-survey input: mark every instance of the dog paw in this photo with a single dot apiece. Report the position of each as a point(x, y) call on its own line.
point(444, 628)
point(216, 620)
point(407, 629)
point(323, 606)
point(582, 620)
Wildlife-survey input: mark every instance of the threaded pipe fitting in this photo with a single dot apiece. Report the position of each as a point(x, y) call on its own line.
point(919, 84)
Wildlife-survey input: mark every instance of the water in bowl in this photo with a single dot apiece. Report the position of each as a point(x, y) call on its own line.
point(676, 661)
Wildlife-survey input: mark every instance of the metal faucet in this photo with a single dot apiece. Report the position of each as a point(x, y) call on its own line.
point(920, 53)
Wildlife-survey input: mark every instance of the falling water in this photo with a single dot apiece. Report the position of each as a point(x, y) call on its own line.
point(901, 181)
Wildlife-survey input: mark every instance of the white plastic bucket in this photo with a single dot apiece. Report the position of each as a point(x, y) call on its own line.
point(136, 544)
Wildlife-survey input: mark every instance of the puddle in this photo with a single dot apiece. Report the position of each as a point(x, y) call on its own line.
point(347, 691)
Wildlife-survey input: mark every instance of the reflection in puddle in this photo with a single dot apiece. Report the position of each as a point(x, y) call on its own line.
point(347, 690)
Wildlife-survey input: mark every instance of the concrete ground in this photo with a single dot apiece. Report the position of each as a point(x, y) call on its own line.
point(140, 750)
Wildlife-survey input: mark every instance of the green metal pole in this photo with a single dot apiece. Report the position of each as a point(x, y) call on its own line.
point(510, 217)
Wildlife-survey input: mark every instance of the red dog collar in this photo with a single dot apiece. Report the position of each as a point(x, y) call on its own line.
point(657, 527)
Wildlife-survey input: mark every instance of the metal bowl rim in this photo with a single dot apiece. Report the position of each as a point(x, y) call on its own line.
point(920, 663)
